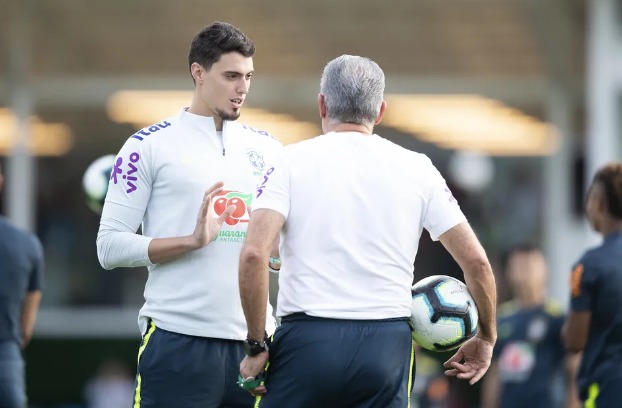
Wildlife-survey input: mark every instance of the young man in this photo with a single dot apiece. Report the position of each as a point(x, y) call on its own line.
point(594, 324)
point(529, 356)
point(351, 207)
point(21, 281)
point(188, 181)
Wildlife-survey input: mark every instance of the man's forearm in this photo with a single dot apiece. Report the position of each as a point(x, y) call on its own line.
point(168, 249)
point(481, 283)
point(254, 281)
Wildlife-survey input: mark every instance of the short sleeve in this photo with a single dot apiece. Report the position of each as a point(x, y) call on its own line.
point(273, 190)
point(442, 210)
point(583, 285)
point(36, 274)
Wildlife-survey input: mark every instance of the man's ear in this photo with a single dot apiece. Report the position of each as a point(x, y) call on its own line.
point(383, 108)
point(197, 72)
point(321, 105)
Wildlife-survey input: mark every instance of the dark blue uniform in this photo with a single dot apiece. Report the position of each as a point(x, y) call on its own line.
point(21, 271)
point(332, 363)
point(597, 288)
point(530, 355)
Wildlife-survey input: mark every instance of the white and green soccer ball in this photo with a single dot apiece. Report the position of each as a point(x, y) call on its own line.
point(95, 182)
point(444, 314)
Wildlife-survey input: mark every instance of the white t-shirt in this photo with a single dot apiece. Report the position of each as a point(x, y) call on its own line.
point(355, 206)
point(159, 179)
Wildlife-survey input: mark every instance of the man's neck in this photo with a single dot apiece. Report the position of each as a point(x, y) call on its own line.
point(197, 108)
point(348, 127)
point(611, 227)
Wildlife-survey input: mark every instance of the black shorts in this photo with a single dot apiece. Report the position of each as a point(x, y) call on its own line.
point(176, 370)
point(603, 394)
point(330, 363)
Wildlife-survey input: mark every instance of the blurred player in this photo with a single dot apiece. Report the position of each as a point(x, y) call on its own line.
point(529, 356)
point(594, 324)
point(21, 280)
point(169, 177)
point(352, 207)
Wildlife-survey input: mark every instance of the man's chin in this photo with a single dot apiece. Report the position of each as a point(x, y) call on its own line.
point(229, 115)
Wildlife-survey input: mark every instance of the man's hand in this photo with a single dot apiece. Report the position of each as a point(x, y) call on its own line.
point(208, 226)
point(251, 367)
point(476, 353)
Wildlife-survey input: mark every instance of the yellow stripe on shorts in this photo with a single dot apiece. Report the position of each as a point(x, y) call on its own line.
point(410, 372)
point(592, 395)
point(152, 328)
point(258, 397)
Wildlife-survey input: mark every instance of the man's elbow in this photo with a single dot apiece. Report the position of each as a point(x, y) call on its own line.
point(573, 345)
point(251, 255)
point(479, 266)
point(103, 242)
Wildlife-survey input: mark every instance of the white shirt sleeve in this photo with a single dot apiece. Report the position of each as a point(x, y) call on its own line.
point(442, 212)
point(129, 191)
point(273, 190)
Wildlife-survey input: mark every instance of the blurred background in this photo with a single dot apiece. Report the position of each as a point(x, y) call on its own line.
point(515, 101)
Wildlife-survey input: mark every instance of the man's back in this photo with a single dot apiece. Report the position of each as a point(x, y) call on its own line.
point(602, 276)
point(21, 268)
point(374, 198)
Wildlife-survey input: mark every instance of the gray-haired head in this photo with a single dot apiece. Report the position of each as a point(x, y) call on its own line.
point(353, 89)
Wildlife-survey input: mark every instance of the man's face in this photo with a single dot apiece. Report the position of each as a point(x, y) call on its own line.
point(226, 84)
point(527, 273)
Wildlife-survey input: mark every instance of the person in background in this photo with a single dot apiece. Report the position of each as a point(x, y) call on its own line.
point(21, 285)
point(594, 324)
point(529, 357)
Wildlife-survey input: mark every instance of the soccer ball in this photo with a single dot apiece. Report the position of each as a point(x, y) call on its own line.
point(444, 314)
point(95, 182)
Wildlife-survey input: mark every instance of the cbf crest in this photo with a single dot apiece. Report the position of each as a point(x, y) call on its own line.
point(256, 160)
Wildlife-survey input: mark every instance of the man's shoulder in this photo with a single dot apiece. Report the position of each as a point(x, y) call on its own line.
point(156, 130)
point(594, 257)
point(253, 132)
point(17, 236)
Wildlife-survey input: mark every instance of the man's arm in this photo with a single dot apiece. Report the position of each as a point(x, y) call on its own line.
point(30, 307)
point(572, 394)
point(476, 352)
point(206, 229)
point(575, 330)
point(461, 242)
point(263, 230)
point(119, 245)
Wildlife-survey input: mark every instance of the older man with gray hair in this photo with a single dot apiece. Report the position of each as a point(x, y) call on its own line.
point(350, 207)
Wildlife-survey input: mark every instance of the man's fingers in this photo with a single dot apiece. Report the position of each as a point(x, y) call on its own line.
point(454, 359)
point(258, 391)
point(227, 213)
point(451, 373)
point(214, 187)
point(478, 376)
point(461, 367)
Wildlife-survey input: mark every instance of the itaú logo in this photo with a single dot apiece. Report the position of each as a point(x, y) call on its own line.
point(240, 200)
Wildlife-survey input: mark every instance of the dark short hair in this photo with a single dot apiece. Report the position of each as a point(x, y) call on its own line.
point(519, 248)
point(215, 40)
point(610, 177)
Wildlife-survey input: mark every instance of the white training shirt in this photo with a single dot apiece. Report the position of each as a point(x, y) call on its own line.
point(159, 180)
point(355, 206)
